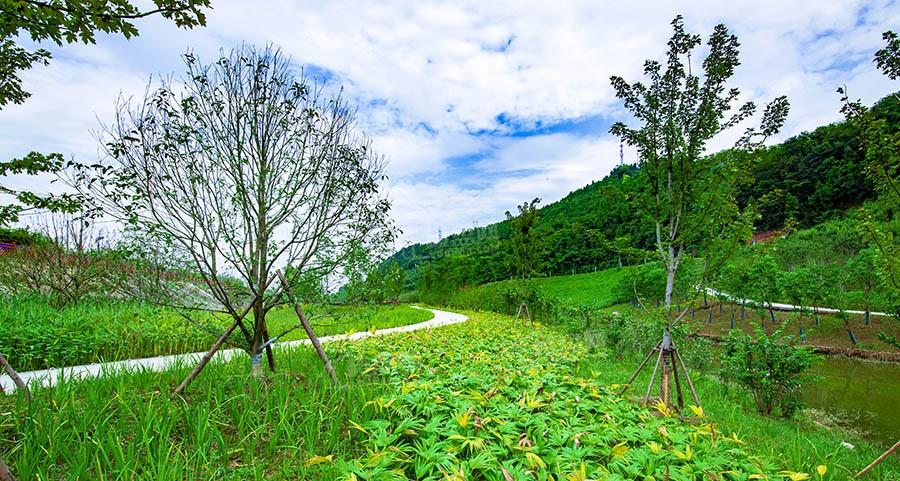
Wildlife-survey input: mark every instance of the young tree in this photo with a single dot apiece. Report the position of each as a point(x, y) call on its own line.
point(881, 143)
point(689, 196)
point(763, 276)
point(394, 280)
point(246, 167)
point(524, 252)
point(862, 272)
point(524, 247)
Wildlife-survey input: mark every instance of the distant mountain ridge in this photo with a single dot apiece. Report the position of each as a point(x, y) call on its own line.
point(809, 178)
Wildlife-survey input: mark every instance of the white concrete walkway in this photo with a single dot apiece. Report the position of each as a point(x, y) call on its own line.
point(49, 377)
point(779, 306)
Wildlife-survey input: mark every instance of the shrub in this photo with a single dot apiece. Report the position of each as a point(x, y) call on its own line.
point(770, 367)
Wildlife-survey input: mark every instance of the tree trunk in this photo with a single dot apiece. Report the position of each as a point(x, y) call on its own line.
point(670, 282)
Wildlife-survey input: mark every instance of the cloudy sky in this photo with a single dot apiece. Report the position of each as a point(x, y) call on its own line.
point(479, 106)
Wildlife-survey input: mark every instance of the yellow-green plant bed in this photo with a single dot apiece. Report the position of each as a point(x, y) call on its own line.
point(489, 400)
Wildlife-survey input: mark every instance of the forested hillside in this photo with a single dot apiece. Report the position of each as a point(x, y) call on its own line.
point(808, 179)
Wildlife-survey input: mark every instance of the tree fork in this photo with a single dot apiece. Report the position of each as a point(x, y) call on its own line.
point(219, 342)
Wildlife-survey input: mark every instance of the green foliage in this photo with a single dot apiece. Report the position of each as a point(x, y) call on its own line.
point(888, 58)
point(797, 444)
point(22, 236)
point(78, 21)
point(770, 367)
point(34, 164)
point(688, 197)
point(38, 335)
point(524, 246)
point(502, 403)
point(828, 265)
point(591, 228)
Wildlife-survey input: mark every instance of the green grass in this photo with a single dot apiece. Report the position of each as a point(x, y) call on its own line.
point(460, 402)
point(228, 425)
point(328, 320)
point(37, 336)
point(597, 289)
point(799, 444)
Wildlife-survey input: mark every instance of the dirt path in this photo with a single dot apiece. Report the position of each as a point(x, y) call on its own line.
point(49, 377)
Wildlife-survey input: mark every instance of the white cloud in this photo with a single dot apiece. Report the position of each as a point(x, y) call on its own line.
point(427, 74)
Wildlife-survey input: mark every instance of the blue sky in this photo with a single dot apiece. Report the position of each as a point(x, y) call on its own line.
point(478, 105)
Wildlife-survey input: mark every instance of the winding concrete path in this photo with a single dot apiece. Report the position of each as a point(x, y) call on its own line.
point(49, 377)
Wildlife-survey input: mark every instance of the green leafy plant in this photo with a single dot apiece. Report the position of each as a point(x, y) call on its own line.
point(770, 367)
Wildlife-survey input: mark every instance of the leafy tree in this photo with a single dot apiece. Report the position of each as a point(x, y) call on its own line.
point(798, 286)
point(524, 246)
point(245, 167)
point(394, 281)
point(73, 21)
point(764, 282)
point(688, 196)
point(524, 253)
point(358, 267)
point(888, 58)
point(63, 22)
point(862, 272)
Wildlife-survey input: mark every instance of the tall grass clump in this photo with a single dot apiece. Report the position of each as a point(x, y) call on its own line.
point(227, 426)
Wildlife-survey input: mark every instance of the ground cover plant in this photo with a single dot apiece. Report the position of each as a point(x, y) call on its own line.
point(480, 400)
point(38, 335)
point(801, 444)
point(485, 400)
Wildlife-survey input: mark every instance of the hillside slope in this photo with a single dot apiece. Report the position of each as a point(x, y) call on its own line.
point(808, 179)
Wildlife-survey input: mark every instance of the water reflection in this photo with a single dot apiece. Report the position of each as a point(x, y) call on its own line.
point(867, 394)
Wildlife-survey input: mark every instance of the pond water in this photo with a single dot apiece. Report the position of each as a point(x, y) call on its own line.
point(865, 393)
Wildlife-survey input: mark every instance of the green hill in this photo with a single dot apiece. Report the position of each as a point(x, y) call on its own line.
point(808, 179)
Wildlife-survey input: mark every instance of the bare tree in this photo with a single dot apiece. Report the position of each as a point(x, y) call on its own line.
point(75, 262)
point(245, 166)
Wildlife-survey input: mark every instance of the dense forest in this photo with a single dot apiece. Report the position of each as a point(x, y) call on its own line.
point(808, 179)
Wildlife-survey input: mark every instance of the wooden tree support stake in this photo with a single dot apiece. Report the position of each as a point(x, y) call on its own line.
point(20, 385)
point(878, 460)
point(524, 313)
point(669, 359)
point(220, 341)
point(5, 474)
point(308, 329)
